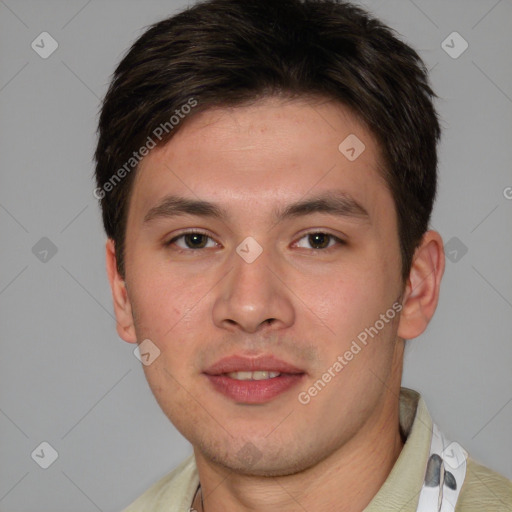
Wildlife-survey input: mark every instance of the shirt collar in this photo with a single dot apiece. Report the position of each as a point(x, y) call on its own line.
point(402, 487)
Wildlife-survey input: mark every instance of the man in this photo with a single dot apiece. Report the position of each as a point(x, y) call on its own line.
point(267, 172)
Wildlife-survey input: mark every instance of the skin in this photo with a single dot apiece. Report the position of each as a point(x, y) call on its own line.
point(198, 305)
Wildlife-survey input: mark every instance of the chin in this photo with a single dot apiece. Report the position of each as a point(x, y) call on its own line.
point(248, 460)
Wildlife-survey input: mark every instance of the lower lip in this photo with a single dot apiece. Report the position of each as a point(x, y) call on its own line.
point(254, 391)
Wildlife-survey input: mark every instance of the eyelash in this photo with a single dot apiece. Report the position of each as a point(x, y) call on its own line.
point(339, 241)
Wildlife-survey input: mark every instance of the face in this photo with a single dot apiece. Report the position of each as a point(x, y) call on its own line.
point(293, 263)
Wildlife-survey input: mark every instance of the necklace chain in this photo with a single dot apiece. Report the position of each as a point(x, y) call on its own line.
point(200, 491)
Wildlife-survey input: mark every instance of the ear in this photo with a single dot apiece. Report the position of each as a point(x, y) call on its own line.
point(421, 293)
point(122, 306)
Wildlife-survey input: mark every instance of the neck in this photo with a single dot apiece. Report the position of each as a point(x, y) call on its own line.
point(334, 483)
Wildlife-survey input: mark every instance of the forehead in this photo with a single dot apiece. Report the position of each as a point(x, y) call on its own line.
point(263, 155)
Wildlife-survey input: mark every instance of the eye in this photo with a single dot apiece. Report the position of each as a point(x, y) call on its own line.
point(319, 240)
point(192, 240)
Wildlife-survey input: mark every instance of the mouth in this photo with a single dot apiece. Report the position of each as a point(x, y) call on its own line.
point(253, 380)
point(259, 375)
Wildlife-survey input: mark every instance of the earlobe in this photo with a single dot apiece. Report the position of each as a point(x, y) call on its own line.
point(122, 306)
point(423, 286)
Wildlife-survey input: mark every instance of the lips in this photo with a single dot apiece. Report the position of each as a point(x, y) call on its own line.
point(237, 363)
point(285, 376)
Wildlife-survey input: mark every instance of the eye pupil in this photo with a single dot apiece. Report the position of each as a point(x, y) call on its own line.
point(195, 240)
point(319, 239)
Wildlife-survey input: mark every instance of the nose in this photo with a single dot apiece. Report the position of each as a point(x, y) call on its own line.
point(253, 297)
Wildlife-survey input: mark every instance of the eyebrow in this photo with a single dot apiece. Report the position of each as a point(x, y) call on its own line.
point(335, 203)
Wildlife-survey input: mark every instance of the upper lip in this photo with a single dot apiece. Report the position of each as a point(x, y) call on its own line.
point(239, 363)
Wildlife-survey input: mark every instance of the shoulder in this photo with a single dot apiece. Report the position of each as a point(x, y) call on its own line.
point(174, 491)
point(484, 489)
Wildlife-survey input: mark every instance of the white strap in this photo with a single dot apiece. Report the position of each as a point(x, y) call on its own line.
point(444, 475)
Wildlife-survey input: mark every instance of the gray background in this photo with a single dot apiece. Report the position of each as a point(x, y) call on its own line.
point(65, 376)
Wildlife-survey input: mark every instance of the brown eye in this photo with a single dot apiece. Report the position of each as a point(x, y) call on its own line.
point(195, 240)
point(192, 240)
point(319, 240)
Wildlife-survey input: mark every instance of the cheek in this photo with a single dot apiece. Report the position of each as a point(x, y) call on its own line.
point(344, 299)
point(163, 300)
point(172, 311)
point(171, 390)
point(347, 303)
